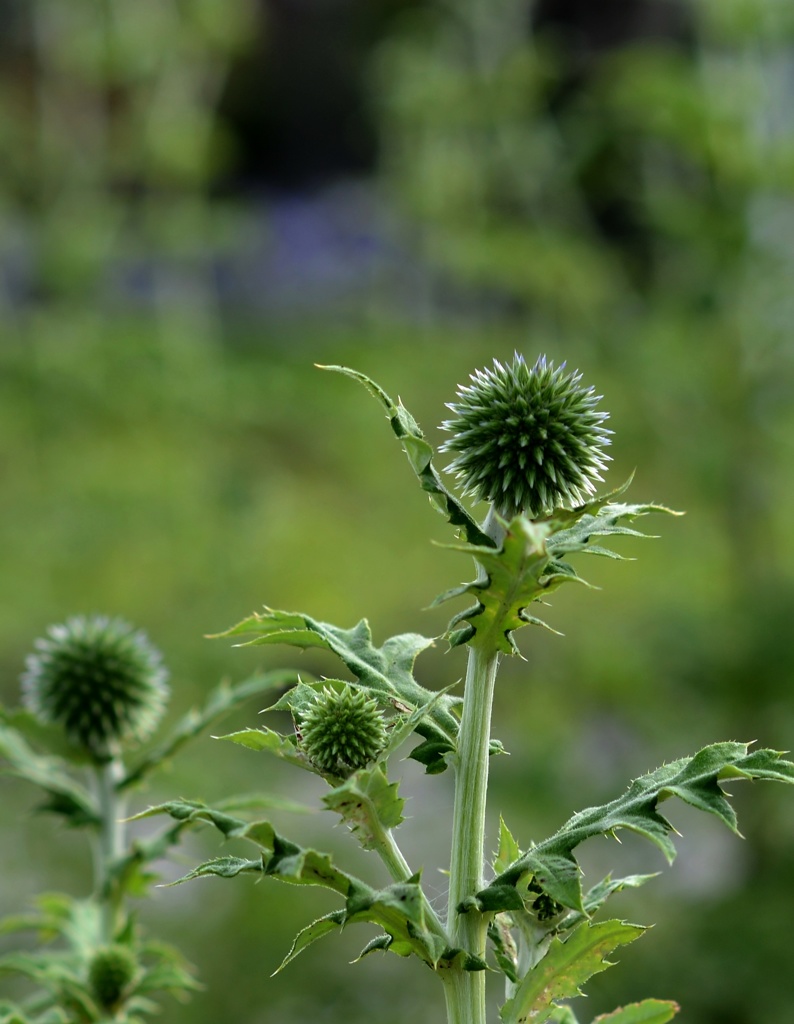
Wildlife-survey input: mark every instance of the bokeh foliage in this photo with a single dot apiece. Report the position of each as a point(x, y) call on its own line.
point(176, 460)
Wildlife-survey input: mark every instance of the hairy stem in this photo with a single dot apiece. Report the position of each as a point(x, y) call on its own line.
point(466, 993)
point(400, 871)
point(465, 990)
point(110, 844)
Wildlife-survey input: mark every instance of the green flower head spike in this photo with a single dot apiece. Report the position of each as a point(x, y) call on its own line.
point(110, 974)
point(342, 731)
point(527, 440)
point(99, 679)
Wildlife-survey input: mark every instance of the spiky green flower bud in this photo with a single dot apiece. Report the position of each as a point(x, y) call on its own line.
point(98, 678)
point(527, 440)
point(110, 973)
point(342, 731)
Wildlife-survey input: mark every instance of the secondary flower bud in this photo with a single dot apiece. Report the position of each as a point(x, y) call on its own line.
point(98, 678)
point(527, 440)
point(342, 731)
point(110, 973)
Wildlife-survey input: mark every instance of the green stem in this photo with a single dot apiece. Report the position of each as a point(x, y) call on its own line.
point(399, 869)
point(465, 990)
point(110, 846)
point(392, 856)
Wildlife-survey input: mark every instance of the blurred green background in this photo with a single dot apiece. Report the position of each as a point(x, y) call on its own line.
point(199, 201)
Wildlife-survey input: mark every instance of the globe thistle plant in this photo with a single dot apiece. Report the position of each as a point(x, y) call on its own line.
point(100, 679)
point(527, 440)
point(342, 731)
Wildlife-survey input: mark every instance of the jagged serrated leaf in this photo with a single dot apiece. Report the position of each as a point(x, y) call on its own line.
point(222, 700)
point(508, 850)
point(190, 812)
point(649, 1011)
point(565, 968)
point(51, 774)
point(599, 518)
point(530, 565)
point(271, 742)
point(306, 936)
point(597, 896)
point(694, 780)
point(368, 804)
point(400, 911)
point(281, 858)
point(512, 581)
point(221, 867)
point(380, 944)
point(420, 455)
point(301, 866)
point(385, 672)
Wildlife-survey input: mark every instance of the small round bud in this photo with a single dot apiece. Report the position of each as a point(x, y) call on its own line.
point(527, 440)
point(98, 678)
point(110, 973)
point(342, 731)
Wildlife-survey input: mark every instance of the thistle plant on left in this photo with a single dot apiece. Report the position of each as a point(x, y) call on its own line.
point(529, 442)
point(93, 691)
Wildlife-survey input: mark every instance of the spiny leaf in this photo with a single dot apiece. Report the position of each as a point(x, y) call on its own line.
point(600, 893)
point(399, 909)
point(306, 936)
point(530, 565)
point(696, 780)
point(509, 849)
point(649, 1011)
point(386, 673)
point(190, 812)
point(565, 967)
point(368, 804)
point(221, 867)
point(420, 455)
point(268, 740)
point(512, 581)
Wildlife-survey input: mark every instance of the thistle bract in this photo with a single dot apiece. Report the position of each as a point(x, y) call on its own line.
point(527, 440)
point(342, 731)
point(98, 678)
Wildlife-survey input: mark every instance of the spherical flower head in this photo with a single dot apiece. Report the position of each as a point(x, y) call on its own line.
point(527, 440)
point(98, 678)
point(110, 973)
point(342, 731)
